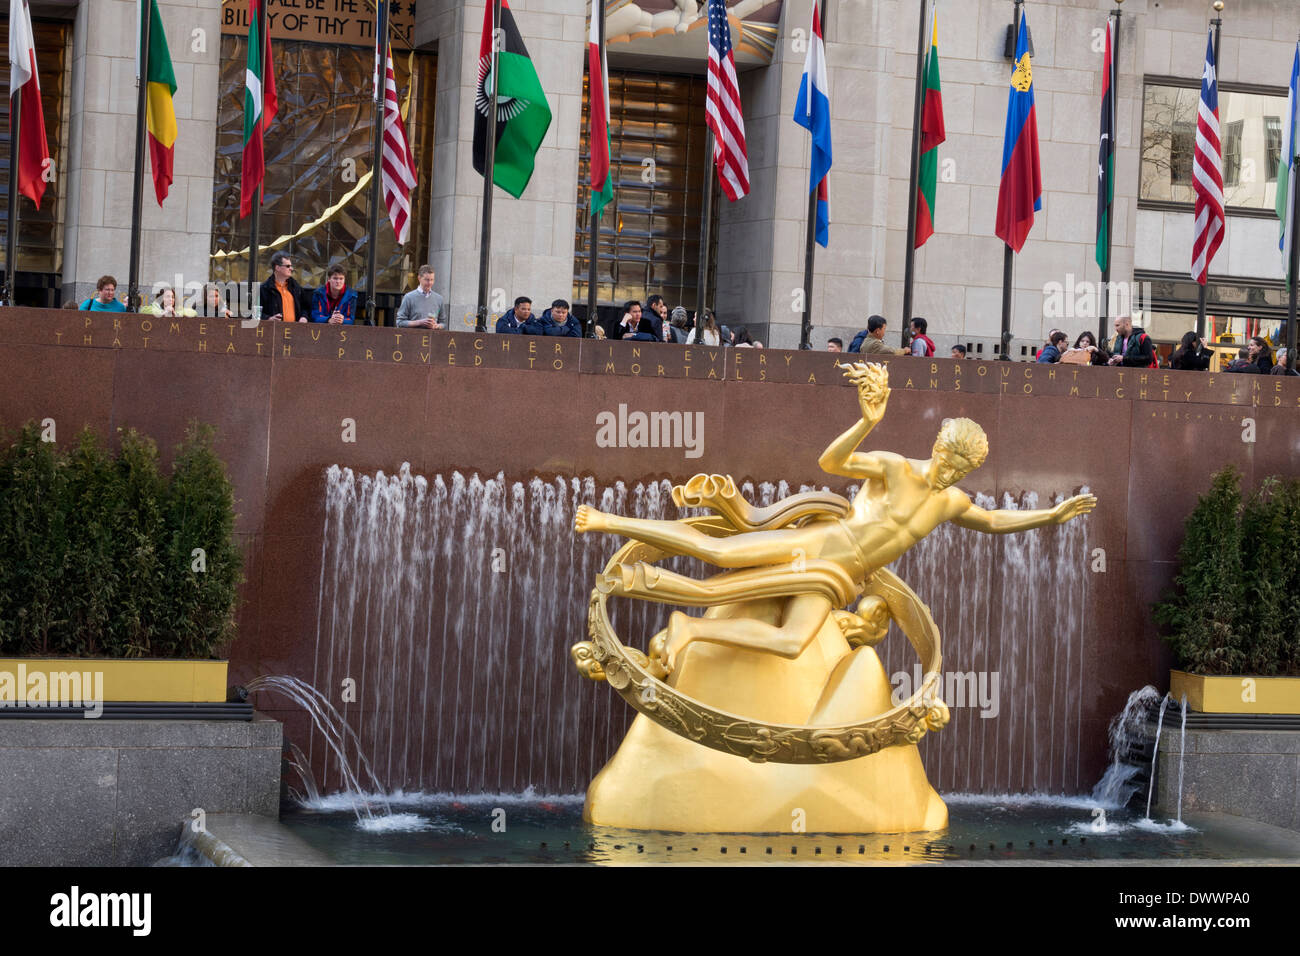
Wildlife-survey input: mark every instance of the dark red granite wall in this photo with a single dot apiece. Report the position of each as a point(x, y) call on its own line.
point(1144, 441)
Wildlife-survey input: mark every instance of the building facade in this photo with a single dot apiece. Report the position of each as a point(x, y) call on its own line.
point(649, 237)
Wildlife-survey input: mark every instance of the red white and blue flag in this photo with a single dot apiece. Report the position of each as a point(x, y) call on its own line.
point(722, 111)
point(397, 165)
point(812, 111)
point(1207, 173)
point(1021, 192)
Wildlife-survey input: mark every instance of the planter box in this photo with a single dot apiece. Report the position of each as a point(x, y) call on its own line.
point(1233, 695)
point(168, 681)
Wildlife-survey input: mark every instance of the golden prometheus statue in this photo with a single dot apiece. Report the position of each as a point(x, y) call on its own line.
point(772, 710)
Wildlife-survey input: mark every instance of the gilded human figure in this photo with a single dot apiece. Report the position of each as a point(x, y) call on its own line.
point(899, 502)
point(774, 701)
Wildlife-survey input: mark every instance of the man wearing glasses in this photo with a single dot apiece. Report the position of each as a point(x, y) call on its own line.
point(281, 297)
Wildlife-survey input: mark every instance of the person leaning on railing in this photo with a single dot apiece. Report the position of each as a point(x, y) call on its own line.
point(164, 304)
point(334, 302)
point(281, 298)
point(1085, 351)
point(1191, 354)
point(421, 308)
point(1281, 367)
point(214, 303)
point(557, 320)
point(105, 297)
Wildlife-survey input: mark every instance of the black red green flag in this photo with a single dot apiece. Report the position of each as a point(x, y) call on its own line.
point(523, 115)
point(1106, 157)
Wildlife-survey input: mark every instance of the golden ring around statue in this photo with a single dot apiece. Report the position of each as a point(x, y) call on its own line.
point(627, 670)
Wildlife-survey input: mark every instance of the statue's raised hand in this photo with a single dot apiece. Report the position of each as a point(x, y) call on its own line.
point(872, 382)
point(1078, 505)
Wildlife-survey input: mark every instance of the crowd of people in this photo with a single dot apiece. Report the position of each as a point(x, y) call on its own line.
point(1134, 348)
point(282, 299)
point(653, 322)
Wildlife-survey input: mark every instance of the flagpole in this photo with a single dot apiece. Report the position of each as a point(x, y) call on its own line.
point(1295, 260)
point(376, 160)
point(1203, 294)
point(1103, 311)
point(593, 241)
point(1008, 254)
point(810, 240)
point(909, 260)
point(137, 194)
point(255, 218)
point(489, 168)
point(706, 217)
point(11, 243)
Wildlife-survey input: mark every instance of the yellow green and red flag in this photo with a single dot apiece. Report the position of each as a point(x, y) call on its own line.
point(161, 115)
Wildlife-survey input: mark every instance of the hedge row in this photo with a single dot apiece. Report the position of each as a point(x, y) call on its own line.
point(1236, 604)
point(103, 555)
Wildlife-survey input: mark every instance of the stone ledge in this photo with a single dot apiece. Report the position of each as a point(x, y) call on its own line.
point(106, 732)
point(1249, 774)
point(103, 793)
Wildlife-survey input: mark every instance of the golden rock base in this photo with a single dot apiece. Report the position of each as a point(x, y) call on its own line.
point(660, 781)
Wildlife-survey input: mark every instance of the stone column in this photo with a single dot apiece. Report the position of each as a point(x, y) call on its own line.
point(532, 237)
point(177, 237)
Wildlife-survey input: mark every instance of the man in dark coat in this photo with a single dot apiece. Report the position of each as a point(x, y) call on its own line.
point(282, 299)
point(555, 321)
point(1131, 347)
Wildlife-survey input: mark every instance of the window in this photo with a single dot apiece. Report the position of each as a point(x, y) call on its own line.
point(1232, 153)
point(317, 154)
point(1182, 153)
point(1273, 145)
point(650, 233)
point(1252, 145)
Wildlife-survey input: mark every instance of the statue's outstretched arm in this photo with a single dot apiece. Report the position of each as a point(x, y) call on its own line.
point(841, 456)
point(1008, 522)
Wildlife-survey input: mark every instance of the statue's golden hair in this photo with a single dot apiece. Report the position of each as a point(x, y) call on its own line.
point(962, 437)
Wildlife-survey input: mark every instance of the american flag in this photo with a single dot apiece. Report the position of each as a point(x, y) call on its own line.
point(396, 162)
point(1207, 173)
point(722, 112)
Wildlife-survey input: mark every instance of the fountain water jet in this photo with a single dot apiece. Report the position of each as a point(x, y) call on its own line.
point(460, 659)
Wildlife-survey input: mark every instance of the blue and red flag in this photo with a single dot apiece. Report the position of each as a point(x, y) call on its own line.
point(812, 111)
point(1021, 192)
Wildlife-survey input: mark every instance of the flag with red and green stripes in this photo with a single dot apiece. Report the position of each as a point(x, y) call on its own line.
point(932, 135)
point(260, 105)
point(602, 181)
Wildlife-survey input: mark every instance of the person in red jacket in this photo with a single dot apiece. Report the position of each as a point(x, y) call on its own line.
point(922, 347)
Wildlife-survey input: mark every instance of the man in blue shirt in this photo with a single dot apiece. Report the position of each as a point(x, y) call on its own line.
point(1051, 352)
point(105, 297)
